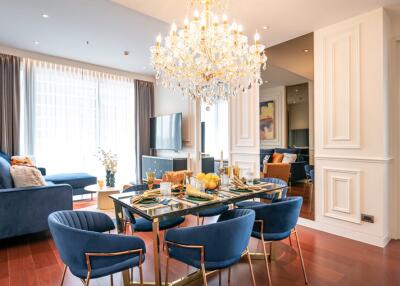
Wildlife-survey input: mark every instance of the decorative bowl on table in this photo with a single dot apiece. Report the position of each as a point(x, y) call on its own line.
point(211, 181)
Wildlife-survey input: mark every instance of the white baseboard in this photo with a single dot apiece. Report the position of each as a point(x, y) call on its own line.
point(345, 232)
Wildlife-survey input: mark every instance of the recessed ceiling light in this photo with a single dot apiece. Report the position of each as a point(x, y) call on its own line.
point(44, 15)
point(36, 42)
point(306, 50)
point(265, 27)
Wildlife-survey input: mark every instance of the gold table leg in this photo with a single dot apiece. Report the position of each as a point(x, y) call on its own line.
point(156, 252)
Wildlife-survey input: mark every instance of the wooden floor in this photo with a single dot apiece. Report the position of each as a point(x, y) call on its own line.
point(305, 190)
point(329, 260)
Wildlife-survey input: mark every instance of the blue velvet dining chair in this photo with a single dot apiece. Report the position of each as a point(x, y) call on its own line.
point(213, 246)
point(87, 251)
point(271, 197)
point(210, 212)
point(275, 222)
point(141, 224)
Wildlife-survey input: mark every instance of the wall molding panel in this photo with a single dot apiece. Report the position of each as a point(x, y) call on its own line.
point(244, 132)
point(341, 194)
point(342, 72)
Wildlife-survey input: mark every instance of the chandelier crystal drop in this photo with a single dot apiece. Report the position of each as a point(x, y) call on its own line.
point(208, 58)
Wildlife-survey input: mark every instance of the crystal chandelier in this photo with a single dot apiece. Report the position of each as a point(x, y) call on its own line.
point(208, 58)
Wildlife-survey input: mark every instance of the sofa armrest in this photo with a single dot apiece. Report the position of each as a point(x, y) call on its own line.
point(25, 210)
point(297, 171)
point(42, 170)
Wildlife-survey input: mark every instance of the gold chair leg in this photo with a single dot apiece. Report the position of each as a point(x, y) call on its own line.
point(290, 239)
point(251, 269)
point(87, 279)
point(202, 221)
point(63, 275)
point(166, 271)
point(270, 252)
point(111, 280)
point(229, 275)
point(219, 277)
point(203, 272)
point(301, 256)
point(266, 262)
point(198, 220)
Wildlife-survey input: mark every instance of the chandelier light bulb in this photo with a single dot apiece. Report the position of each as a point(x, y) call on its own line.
point(225, 18)
point(159, 39)
point(173, 27)
point(196, 14)
point(216, 20)
point(186, 22)
point(240, 28)
point(256, 37)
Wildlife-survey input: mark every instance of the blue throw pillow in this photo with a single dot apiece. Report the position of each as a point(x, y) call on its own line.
point(6, 181)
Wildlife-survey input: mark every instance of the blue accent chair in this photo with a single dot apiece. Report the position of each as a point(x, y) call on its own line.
point(144, 225)
point(275, 222)
point(213, 246)
point(271, 197)
point(87, 251)
point(308, 169)
point(210, 212)
point(25, 210)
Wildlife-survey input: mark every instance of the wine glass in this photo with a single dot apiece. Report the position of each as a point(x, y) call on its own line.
point(150, 179)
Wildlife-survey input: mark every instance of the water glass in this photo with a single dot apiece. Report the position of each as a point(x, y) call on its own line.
point(165, 188)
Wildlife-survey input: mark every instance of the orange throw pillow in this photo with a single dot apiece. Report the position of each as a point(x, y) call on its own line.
point(277, 158)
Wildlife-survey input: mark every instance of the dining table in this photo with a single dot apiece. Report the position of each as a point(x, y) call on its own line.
point(175, 205)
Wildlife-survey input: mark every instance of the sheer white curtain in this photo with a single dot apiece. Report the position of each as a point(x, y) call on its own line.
point(216, 129)
point(69, 112)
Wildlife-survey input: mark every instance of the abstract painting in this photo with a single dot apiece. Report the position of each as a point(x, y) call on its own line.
point(267, 120)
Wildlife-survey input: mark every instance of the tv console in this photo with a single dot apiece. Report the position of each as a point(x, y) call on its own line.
point(160, 165)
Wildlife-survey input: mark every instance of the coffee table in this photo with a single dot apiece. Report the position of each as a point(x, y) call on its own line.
point(104, 202)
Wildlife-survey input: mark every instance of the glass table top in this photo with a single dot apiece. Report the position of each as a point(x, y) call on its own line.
point(178, 204)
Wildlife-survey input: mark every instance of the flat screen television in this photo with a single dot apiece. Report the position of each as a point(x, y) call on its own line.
point(166, 132)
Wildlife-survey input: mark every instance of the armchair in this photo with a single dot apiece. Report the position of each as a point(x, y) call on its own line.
point(214, 246)
point(87, 252)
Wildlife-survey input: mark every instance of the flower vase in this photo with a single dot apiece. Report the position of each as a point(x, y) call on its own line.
point(110, 179)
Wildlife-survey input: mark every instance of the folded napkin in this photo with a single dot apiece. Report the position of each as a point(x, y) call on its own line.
point(193, 192)
point(145, 196)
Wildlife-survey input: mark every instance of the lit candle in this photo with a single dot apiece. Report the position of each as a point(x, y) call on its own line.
point(256, 37)
point(159, 39)
point(186, 22)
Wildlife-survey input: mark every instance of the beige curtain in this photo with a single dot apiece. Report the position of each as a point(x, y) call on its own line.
point(144, 107)
point(9, 104)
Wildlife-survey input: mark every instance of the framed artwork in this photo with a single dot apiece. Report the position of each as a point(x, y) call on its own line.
point(267, 120)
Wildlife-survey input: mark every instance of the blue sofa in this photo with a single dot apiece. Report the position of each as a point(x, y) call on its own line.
point(25, 210)
point(297, 171)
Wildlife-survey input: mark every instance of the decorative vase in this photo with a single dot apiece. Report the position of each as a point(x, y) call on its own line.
point(110, 179)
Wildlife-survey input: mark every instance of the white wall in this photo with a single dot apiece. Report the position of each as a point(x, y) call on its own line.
point(278, 95)
point(351, 114)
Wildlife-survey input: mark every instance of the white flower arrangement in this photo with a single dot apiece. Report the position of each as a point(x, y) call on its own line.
point(108, 160)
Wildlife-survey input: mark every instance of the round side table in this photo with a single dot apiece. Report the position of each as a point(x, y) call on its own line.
point(104, 202)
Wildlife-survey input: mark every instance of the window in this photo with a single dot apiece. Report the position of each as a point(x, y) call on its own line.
point(69, 112)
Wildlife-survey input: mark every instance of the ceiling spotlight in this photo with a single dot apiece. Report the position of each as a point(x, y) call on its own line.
point(36, 42)
point(126, 53)
point(297, 90)
point(265, 27)
point(306, 50)
point(45, 15)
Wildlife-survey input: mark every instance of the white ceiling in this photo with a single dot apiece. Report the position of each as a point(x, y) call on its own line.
point(111, 28)
point(287, 19)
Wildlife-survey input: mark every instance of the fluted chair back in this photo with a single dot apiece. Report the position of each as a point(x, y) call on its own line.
point(135, 188)
point(78, 232)
point(276, 195)
point(279, 218)
point(224, 241)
